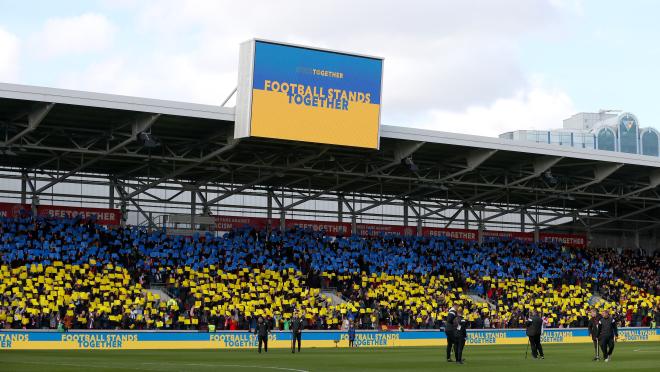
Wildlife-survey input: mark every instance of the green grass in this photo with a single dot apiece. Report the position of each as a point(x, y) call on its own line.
point(559, 358)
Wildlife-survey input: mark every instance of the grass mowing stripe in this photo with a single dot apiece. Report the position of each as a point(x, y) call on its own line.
point(497, 358)
point(228, 365)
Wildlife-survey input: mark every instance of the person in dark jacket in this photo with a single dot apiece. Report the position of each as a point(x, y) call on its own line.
point(460, 334)
point(296, 331)
point(534, 329)
point(593, 331)
point(450, 331)
point(607, 334)
point(351, 334)
point(262, 330)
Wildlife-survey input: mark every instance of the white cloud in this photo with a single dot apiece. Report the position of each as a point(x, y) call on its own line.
point(103, 76)
point(576, 6)
point(176, 77)
point(444, 60)
point(61, 37)
point(9, 56)
point(538, 107)
point(438, 54)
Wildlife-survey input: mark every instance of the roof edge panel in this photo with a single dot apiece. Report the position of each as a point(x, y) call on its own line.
point(114, 101)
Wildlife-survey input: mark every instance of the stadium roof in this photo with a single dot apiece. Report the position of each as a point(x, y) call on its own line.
point(65, 132)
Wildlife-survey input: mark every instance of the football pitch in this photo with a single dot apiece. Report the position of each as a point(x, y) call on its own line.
point(559, 358)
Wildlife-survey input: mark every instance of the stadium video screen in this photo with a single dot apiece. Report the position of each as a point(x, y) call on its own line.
point(303, 94)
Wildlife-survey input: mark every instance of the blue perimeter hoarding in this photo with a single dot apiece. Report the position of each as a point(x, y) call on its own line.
point(242, 339)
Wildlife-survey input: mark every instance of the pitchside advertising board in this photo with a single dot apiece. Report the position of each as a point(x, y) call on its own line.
point(112, 217)
point(104, 216)
point(226, 223)
point(297, 93)
point(246, 340)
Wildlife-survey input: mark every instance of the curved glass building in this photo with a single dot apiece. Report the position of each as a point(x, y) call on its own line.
point(604, 130)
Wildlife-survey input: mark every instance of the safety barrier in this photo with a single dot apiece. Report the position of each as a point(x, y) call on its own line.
point(38, 339)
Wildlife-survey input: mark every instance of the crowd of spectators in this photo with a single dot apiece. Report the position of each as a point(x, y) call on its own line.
point(639, 268)
point(74, 273)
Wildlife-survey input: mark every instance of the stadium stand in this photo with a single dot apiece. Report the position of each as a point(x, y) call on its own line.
point(73, 273)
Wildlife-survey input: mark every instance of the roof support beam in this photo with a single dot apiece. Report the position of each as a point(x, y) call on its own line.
point(544, 164)
point(540, 165)
point(125, 197)
point(139, 126)
point(35, 117)
point(600, 174)
point(654, 181)
point(477, 157)
point(401, 152)
point(625, 216)
point(205, 204)
point(265, 178)
point(231, 144)
point(453, 217)
point(650, 227)
point(473, 159)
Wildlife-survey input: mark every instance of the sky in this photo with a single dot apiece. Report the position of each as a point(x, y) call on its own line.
point(471, 66)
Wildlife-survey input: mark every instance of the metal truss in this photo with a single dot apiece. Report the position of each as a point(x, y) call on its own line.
point(200, 169)
point(150, 204)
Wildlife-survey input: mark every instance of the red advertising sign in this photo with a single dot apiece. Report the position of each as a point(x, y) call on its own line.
point(107, 216)
point(12, 209)
point(460, 234)
point(330, 227)
point(226, 223)
point(367, 229)
point(104, 216)
point(573, 240)
point(509, 235)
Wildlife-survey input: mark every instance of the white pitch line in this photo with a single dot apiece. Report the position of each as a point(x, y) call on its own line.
point(226, 365)
point(85, 366)
point(171, 364)
point(244, 366)
point(646, 350)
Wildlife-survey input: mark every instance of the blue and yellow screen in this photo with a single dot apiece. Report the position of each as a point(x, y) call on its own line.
point(302, 94)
